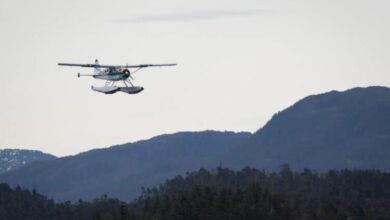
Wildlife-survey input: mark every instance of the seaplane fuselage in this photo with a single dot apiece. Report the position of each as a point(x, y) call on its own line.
point(113, 74)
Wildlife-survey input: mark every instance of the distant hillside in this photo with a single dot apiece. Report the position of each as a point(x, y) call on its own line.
point(11, 159)
point(349, 129)
point(122, 170)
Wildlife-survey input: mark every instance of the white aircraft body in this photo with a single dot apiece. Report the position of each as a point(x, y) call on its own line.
point(113, 74)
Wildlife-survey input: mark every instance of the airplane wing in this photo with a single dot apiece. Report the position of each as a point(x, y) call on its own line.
point(116, 66)
point(80, 65)
point(147, 65)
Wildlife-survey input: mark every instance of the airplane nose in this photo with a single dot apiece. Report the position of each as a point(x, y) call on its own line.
point(127, 73)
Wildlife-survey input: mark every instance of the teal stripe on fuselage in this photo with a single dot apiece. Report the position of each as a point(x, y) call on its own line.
point(116, 73)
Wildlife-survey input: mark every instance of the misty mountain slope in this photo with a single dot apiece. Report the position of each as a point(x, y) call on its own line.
point(349, 129)
point(11, 159)
point(120, 171)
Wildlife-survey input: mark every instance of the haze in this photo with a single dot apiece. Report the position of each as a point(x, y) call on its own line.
point(239, 62)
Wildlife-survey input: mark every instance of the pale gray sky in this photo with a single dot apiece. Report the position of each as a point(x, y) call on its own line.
point(239, 63)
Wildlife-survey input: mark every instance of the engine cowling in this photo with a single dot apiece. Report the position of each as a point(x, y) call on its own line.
point(126, 72)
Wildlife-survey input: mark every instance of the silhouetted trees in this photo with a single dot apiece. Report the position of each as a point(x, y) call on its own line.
point(223, 194)
point(337, 194)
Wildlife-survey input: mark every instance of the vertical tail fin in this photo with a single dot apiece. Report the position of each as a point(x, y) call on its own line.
point(96, 70)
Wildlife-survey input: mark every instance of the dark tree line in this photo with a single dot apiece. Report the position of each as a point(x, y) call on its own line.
point(213, 203)
point(343, 194)
point(225, 194)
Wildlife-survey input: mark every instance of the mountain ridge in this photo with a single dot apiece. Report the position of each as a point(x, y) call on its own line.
point(12, 158)
point(333, 130)
point(122, 170)
point(346, 124)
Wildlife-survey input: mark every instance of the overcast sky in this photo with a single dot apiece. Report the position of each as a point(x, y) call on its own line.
point(239, 62)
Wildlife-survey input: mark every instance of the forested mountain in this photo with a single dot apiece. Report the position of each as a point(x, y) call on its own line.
point(226, 194)
point(334, 130)
point(14, 158)
point(120, 171)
